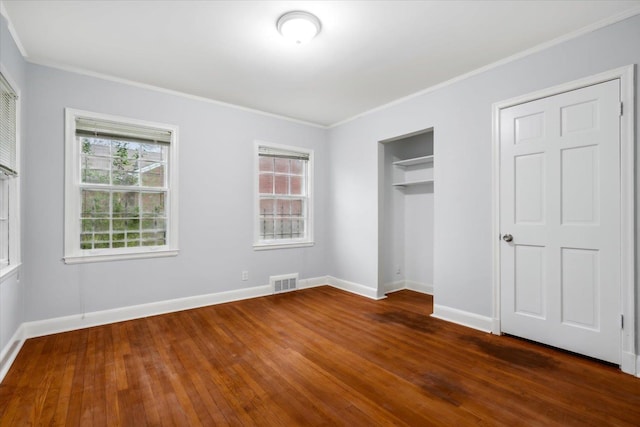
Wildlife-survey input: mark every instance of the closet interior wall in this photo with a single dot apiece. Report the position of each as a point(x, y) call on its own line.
point(406, 253)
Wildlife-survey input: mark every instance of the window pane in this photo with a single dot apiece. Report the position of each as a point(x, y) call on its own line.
point(101, 225)
point(266, 228)
point(152, 174)
point(5, 223)
point(281, 184)
point(96, 147)
point(126, 174)
point(95, 203)
point(282, 165)
point(153, 224)
point(266, 184)
point(153, 204)
point(297, 228)
point(125, 162)
point(112, 219)
point(87, 225)
point(153, 239)
point(125, 204)
point(283, 228)
point(154, 152)
point(266, 207)
point(296, 185)
point(95, 170)
point(296, 207)
point(4, 234)
point(119, 224)
point(266, 164)
point(283, 207)
point(297, 167)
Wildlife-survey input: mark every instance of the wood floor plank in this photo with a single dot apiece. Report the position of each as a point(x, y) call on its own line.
point(313, 357)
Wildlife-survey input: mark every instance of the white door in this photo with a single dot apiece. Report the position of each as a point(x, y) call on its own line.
point(560, 203)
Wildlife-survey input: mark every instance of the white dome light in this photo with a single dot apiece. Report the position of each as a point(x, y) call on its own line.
point(298, 26)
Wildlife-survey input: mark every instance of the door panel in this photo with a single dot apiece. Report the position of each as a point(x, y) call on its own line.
point(580, 117)
point(560, 199)
point(580, 288)
point(529, 191)
point(580, 185)
point(529, 281)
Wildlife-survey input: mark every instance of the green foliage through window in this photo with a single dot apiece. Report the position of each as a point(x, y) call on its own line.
point(123, 194)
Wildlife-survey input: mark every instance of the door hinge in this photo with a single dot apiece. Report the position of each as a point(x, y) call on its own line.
point(622, 321)
point(621, 108)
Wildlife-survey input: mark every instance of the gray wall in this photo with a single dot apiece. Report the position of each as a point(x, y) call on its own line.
point(216, 148)
point(460, 114)
point(216, 207)
point(11, 288)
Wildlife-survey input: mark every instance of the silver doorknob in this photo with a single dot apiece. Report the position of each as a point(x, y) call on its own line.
point(507, 237)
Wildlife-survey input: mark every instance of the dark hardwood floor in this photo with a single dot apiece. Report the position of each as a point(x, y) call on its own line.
point(312, 357)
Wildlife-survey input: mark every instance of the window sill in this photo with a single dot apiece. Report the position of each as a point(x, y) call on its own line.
point(269, 246)
point(9, 271)
point(82, 259)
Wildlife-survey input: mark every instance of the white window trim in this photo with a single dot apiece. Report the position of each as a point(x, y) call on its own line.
point(72, 252)
point(260, 245)
point(15, 252)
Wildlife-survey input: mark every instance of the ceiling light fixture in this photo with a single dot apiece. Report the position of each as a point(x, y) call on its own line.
point(298, 26)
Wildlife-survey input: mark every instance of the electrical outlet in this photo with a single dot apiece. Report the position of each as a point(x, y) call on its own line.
point(245, 275)
point(398, 271)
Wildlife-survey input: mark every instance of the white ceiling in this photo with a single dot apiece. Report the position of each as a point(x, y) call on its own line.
point(368, 53)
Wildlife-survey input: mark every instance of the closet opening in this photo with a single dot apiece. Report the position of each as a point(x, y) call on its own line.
point(405, 212)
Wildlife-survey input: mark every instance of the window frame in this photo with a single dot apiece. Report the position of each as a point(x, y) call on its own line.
point(308, 240)
point(73, 197)
point(13, 186)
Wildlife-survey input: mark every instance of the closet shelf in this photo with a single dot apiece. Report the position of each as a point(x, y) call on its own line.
point(414, 161)
point(410, 183)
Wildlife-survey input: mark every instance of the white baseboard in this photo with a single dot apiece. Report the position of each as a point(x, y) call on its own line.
point(464, 318)
point(637, 372)
point(495, 327)
point(354, 288)
point(79, 321)
point(424, 288)
point(96, 318)
point(629, 363)
point(409, 285)
point(10, 351)
point(313, 282)
point(394, 286)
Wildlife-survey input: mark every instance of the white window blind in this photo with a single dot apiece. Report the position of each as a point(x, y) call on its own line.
point(284, 154)
point(8, 100)
point(112, 130)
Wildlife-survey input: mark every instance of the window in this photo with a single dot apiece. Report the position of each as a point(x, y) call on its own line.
point(284, 200)
point(120, 192)
point(4, 223)
point(9, 180)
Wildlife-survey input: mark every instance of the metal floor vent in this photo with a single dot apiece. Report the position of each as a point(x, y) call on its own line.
point(284, 283)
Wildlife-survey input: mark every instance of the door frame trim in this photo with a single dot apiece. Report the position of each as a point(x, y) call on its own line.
point(627, 199)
